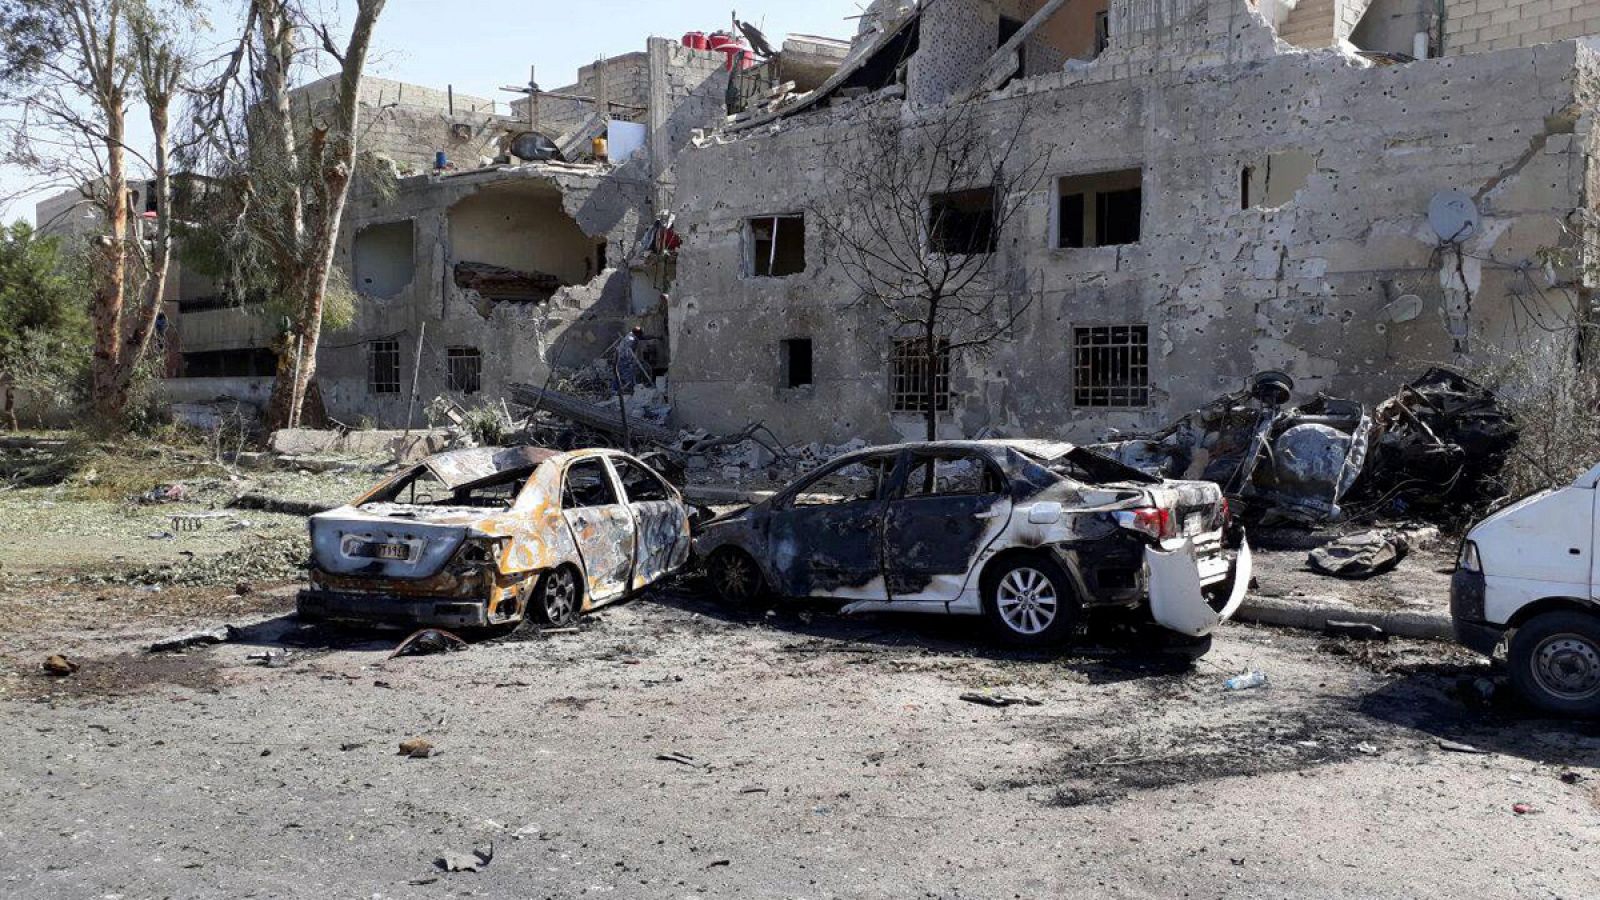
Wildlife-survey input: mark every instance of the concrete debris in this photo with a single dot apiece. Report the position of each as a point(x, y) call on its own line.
point(1360, 556)
point(416, 748)
point(219, 635)
point(455, 861)
point(59, 666)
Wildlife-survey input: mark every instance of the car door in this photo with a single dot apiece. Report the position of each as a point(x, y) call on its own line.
point(947, 508)
point(660, 521)
point(827, 534)
point(602, 526)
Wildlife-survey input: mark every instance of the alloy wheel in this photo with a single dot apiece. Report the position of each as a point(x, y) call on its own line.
point(1027, 600)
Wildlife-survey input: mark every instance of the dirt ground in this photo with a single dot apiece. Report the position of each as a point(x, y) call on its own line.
point(675, 748)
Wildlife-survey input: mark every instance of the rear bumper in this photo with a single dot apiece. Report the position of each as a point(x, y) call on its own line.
point(1467, 595)
point(1177, 589)
point(453, 612)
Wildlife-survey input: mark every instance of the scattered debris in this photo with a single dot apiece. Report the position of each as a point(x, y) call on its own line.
point(218, 635)
point(167, 493)
point(1571, 778)
point(682, 759)
point(455, 861)
point(1458, 747)
point(1245, 681)
point(429, 640)
point(1366, 748)
point(718, 863)
point(1359, 556)
point(1523, 809)
point(1000, 700)
point(416, 748)
point(59, 666)
point(1364, 631)
point(272, 659)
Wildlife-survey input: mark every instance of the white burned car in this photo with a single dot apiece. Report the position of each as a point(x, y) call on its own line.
point(1031, 534)
point(487, 536)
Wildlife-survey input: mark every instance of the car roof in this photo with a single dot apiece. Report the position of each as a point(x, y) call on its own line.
point(1040, 449)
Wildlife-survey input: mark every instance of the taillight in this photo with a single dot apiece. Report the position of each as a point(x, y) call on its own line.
point(1224, 512)
point(1154, 521)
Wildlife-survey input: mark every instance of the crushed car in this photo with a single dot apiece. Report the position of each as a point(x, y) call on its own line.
point(1435, 447)
point(489, 536)
point(1033, 535)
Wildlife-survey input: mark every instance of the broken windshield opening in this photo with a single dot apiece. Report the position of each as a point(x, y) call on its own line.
point(422, 488)
point(1089, 467)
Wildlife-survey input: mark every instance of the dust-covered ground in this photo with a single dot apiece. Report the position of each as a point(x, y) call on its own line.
point(674, 748)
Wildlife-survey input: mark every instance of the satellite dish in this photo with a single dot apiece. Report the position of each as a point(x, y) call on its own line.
point(1405, 308)
point(1453, 216)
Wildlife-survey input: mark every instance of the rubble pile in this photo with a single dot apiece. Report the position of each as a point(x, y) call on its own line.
point(1433, 449)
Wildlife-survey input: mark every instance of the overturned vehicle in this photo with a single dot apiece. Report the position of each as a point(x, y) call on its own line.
point(1435, 448)
point(1032, 535)
point(489, 536)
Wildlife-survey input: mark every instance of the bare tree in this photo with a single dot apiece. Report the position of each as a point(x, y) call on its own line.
point(914, 221)
point(71, 69)
point(289, 171)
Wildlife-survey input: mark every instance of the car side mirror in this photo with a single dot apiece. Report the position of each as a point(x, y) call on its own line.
point(1045, 513)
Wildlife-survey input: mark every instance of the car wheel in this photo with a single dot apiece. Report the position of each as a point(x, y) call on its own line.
point(735, 576)
point(1029, 601)
point(559, 598)
point(1554, 663)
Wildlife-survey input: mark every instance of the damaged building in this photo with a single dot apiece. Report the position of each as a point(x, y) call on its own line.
point(1343, 191)
point(505, 244)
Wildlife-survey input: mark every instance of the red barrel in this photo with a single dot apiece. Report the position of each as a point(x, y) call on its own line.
point(696, 40)
point(720, 40)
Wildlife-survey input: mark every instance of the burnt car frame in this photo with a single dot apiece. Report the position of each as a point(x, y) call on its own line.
point(488, 536)
point(1031, 534)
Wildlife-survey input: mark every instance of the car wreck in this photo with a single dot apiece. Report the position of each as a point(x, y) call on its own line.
point(1033, 535)
point(1436, 446)
point(489, 536)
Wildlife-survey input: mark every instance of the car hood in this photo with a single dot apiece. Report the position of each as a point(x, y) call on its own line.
point(431, 535)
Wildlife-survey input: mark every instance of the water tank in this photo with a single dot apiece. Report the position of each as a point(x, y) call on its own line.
point(696, 40)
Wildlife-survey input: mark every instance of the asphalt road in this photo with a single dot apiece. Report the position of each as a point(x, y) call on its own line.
point(673, 749)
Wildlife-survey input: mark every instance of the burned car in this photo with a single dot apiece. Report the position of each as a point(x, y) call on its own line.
point(488, 536)
point(1033, 535)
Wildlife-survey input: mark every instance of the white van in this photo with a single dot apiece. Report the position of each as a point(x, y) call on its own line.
point(1528, 576)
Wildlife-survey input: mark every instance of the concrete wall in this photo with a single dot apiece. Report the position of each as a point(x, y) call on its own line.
point(1192, 93)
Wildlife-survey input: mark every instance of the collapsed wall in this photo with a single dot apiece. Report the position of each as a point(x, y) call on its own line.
point(1263, 208)
point(502, 274)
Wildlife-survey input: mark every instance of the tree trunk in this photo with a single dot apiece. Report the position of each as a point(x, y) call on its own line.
point(109, 392)
point(144, 324)
point(930, 355)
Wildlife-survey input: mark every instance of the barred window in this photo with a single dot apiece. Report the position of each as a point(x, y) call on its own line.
point(1111, 365)
point(464, 369)
point(383, 367)
point(909, 374)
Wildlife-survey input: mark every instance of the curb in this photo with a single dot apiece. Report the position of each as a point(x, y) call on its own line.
point(1316, 616)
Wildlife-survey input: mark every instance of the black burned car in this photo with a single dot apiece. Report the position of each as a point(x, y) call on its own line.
point(1030, 534)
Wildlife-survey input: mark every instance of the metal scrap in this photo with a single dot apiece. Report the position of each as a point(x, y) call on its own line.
point(1441, 439)
point(427, 641)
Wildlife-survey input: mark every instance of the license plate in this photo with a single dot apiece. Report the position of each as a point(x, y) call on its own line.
point(372, 550)
point(1194, 524)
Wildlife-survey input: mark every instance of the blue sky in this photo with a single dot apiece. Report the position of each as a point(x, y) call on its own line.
point(480, 45)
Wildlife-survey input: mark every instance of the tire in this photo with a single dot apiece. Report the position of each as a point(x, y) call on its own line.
point(1029, 602)
point(1554, 663)
point(735, 576)
point(558, 600)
